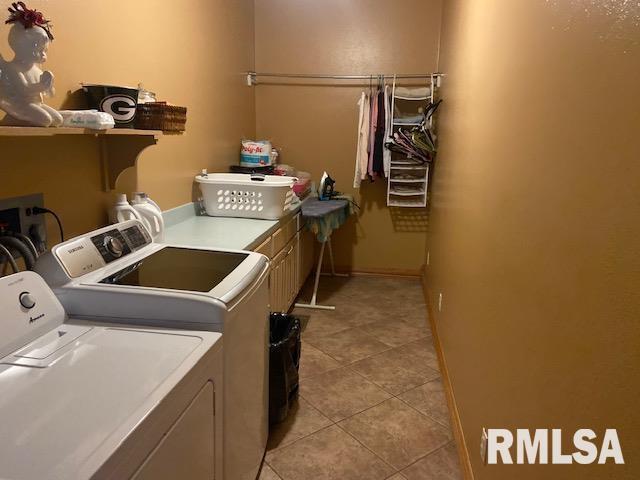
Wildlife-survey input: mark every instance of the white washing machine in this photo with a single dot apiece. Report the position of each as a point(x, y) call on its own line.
point(118, 272)
point(95, 401)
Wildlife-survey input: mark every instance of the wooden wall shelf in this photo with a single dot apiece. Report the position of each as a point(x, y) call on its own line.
point(119, 147)
point(47, 132)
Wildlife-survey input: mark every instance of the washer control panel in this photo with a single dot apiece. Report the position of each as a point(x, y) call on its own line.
point(136, 236)
point(111, 245)
point(97, 249)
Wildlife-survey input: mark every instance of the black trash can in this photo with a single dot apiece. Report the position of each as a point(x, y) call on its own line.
point(284, 360)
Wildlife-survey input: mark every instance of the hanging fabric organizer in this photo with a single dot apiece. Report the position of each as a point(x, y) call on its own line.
point(412, 145)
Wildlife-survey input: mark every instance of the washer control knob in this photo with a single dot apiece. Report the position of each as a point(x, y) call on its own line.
point(113, 246)
point(27, 300)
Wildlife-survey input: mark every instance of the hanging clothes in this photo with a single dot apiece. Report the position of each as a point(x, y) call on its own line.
point(362, 152)
point(375, 131)
point(379, 136)
point(388, 131)
point(372, 129)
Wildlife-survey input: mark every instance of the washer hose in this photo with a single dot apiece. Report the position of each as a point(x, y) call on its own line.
point(26, 240)
point(12, 262)
point(12, 242)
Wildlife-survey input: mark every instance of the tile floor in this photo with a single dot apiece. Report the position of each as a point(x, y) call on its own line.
point(371, 404)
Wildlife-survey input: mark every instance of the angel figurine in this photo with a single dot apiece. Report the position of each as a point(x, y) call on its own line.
point(22, 83)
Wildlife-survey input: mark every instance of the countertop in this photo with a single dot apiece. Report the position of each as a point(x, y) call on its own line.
point(185, 226)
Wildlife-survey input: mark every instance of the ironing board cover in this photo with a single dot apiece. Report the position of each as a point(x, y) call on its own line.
point(322, 217)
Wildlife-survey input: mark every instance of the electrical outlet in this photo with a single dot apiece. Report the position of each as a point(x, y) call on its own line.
point(10, 219)
point(440, 302)
point(16, 216)
point(428, 258)
point(483, 446)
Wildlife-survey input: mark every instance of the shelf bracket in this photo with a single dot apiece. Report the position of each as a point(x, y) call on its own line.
point(117, 153)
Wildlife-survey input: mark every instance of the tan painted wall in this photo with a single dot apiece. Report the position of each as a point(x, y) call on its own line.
point(534, 226)
point(193, 53)
point(316, 125)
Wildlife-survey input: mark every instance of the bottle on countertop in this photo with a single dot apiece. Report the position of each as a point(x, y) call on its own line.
point(274, 156)
point(123, 211)
point(151, 214)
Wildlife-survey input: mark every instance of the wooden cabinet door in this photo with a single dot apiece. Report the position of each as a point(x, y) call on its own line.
point(307, 248)
point(294, 261)
point(290, 269)
point(265, 248)
point(275, 284)
point(284, 277)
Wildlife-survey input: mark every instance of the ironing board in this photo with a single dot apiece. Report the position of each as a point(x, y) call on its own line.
point(322, 217)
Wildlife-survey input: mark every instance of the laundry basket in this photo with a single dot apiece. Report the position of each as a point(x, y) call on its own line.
point(248, 196)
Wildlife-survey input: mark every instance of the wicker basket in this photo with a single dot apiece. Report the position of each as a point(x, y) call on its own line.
point(160, 116)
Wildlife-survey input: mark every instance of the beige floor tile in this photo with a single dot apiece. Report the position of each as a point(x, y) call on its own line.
point(396, 432)
point(353, 312)
point(362, 300)
point(423, 346)
point(341, 393)
point(329, 289)
point(395, 371)
point(320, 325)
point(440, 465)
point(358, 294)
point(391, 292)
point(418, 321)
point(412, 314)
point(267, 473)
point(425, 351)
point(348, 346)
point(369, 290)
point(396, 291)
point(303, 420)
point(380, 324)
point(314, 361)
point(421, 361)
point(327, 455)
point(429, 399)
point(395, 333)
point(348, 313)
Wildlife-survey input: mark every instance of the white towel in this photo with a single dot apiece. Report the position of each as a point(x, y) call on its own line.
point(92, 119)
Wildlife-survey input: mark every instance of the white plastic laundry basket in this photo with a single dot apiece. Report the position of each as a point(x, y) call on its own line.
point(248, 196)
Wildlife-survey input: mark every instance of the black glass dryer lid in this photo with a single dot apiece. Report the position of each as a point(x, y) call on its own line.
point(179, 269)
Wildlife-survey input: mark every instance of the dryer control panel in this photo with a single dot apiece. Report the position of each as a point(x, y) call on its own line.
point(29, 309)
point(94, 250)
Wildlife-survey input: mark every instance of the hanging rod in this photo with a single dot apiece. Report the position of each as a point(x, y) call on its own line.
point(252, 76)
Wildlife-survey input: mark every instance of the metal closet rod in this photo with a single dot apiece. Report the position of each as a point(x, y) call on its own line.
point(345, 77)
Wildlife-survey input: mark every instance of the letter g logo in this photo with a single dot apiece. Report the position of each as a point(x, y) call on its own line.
point(120, 107)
